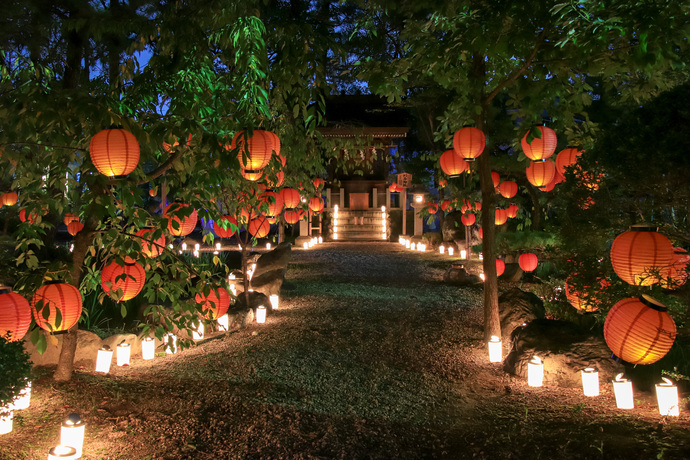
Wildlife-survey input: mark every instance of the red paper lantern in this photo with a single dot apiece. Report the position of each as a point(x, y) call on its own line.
point(229, 229)
point(495, 178)
point(393, 188)
point(582, 302)
point(477, 206)
point(540, 148)
point(69, 217)
point(508, 189)
point(255, 151)
point(512, 211)
point(54, 297)
point(282, 159)
point(500, 267)
point(641, 256)
point(9, 198)
point(15, 315)
point(280, 178)
point(316, 204)
point(152, 192)
point(114, 152)
point(639, 330)
point(501, 216)
point(31, 217)
point(123, 282)
point(469, 143)
point(259, 227)
point(551, 185)
point(677, 273)
point(74, 227)
point(446, 206)
point(442, 183)
point(178, 227)
point(468, 219)
point(528, 261)
point(432, 208)
point(567, 157)
point(151, 247)
point(452, 164)
point(271, 202)
point(215, 304)
point(318, 183)
point(292, 216)
point(540, 173)
point(481, 233)
point(290, 196)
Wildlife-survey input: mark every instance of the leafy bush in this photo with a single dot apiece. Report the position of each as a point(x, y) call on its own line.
point(432, 239)
point(15, 368)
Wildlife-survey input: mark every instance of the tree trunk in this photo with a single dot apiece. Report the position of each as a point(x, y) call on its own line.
point(536, 208)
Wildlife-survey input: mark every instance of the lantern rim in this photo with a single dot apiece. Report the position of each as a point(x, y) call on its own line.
point(652, 303)
point(644, 228)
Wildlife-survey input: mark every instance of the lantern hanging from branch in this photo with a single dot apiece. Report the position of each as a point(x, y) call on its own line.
point(318, 183)
point(15, 315)
point(271, 203)
point(291, 197)
point(641, 256)
point(469, 142)
point(123, 282)
point(639, 330)
point(151, 247)
point(540, 173)
point(393, 188)
point(512, 211)
point(9, 198)
point(508, 189)
point(114, 152)
point(468, 219)
point(446, 206)
point(316, 204)
point(528, 261)
point(583, 301)
point(255, 151)
point(180, 226)
point(501, 216)
point(252, 176)
point(567, 157)
point(452, 164)
point(230, 224)
point(69, 217)
point(292, 216)
point(541, 147)
point(432, 208)
point(259, 227)
point(56, 306)
point(215, 304)
point(500, 267)
point(677, 274)
point(495, 178)
point(74, 227)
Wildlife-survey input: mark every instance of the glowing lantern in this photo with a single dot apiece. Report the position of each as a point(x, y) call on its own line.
point(477, 206)
point(151, 247)
point(259, 227)
point(567, 157)
point(6, 417)
point(590, 381)
point(468, 219)
point(452, 164)
point(290, 196)
point(469, 143)
point(623, 390)
point(178, 227)
point(540, 173)
point(148, 348)
point(275, 301)
point(292, 216)
point(152, 192)
point(114, 152)
point(541, 147)
point(677, 274)
point(72, 433)
point(60, 306)
point(31, 218)
point(667, 398)
point(446, 206)
point(103, 359)
point(62, 452)
point(535, 372)
point(639, 331)
point(123, 282)
point(15, 315)
point(230, 225)
point(551, 185)
point(500, 267)
point(261, 314)
point(23, 399)
point(124, 353)
point(393, 188)
point(251, 175)
point(442, 183)
point(9, 199)
point(272, 202)
point(318, 183)
point(255, 151)
point(528, 261)
point(641, 255)
point(495, 350)
point(74, 227)
point(316, 204)
point(501, 216)
point(432, 208)
point(69, 217)
point(512, 211)
point(508, 189)
point(170, 341)
point(495, 178)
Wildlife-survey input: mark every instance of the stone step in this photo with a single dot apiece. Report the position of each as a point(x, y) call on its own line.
point(359, 236)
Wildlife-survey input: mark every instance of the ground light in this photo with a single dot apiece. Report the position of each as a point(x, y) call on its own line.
point(268, 246)
point(535, 372)
point(62, 453)
point(223, 323)
point(198, 333)
point(495, 349)
point(103, 359)
point(124, 353)
point(442, 249)
point(6, 418)
point(72, 433)
point(23, 401)
point(261, 314)
point(463, 254)
point(590, 381)
point(623, 390)
point(170, 341)
point(450, 251)
point(148, 348)
point(275, 300)
point(667, 398)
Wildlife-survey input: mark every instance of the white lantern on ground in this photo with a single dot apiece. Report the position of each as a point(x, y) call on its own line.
point(6, 417)
point(198, 333)
point(481, 256)
point(124, 352)
point(413, 246)
point(320, 239)
point(495, 349)
point(148, 348)
point(103, 359)
point(62, 453)
point(217, 246)
point(305, 246)
point(268, 246)
point(442, 249)
point(667, 398)
point(535, 372)
point(23, 400)
point(170, 341)
point(623, 390)
point(184, 246)
point(408, 244)
point(261, 314)
point(275, 300)
point(451, 250)
point(463, 254)
point(72, 433)
point(197, 247)
point(590, 381)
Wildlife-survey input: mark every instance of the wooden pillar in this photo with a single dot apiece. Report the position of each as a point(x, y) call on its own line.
point(403, 205)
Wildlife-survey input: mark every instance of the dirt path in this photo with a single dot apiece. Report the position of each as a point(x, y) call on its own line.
point(369, 356)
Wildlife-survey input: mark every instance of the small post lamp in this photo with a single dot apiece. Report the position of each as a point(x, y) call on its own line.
point(72, 433)
point(148, 348)
point(23, 401)
point(481, 256)
point(320, 239)
point(260, 314)
point(103, 359)
point(197, 247)
point(535, 372)
point(495, 349)
point(667, 398)
point(482, 277)
point(590, 381)
point(62, 453)
point(442, 249)
point(451, 250)
point(268, 246)
point(198, 333)
point(6, 417)
point(623, 390)
point(124, 352)
point(275, 301)
point(463, 254)
point(223, 323)
point(217, 246)
point(419, 198)
point(170, 343)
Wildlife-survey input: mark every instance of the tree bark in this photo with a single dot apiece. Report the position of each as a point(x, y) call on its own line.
point(536, 208)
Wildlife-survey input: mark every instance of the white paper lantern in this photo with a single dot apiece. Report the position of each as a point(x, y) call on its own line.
point(275, 300)
point(667, 398)
point(305, 245)
point(623, 390)
point(495, 349)
point(451, 250)
point(535, 372)
point(590, 381)
point(6, 417)
point(23, 400)
point(72, 433)
point(62, 453)
point(442, 249)
point(124, 352)
point(268, 246)
point(170, 341)
point(198, 333)
point(261, 314)
point(320, 239)
point(148, 348)
point(463, 254)
point(103, 359)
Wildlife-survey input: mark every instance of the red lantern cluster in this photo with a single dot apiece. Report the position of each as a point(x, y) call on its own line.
point(123, 282)
point(60, 306)
point(469, 143)
point(541, 147)
point(114, 152)
point(15, 315)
